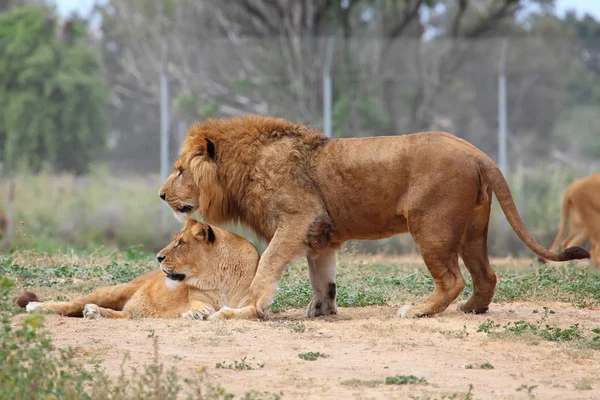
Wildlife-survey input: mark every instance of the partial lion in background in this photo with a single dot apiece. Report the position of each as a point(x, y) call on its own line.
point(581, 202)
point(307, 194)
point(208, 276)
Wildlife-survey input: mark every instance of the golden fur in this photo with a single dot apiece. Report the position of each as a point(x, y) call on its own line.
point(306, 194)
point(216, 268)
point(581, 202)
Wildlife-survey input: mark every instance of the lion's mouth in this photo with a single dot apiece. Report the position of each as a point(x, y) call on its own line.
point(185, 209)
point(175, 277)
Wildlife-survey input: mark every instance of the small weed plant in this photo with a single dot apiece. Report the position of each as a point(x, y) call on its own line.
point(405, 380)
point(312, 356)
point(241, 365)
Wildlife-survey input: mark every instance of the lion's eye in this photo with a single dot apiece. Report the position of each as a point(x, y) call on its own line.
point(179, 243)
point(180, 172)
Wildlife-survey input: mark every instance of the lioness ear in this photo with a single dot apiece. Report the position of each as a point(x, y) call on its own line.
point(203, 232)
point(210, 234)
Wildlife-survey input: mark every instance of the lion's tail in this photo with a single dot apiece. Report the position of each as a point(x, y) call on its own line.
point(26, 298)
point(500, 187)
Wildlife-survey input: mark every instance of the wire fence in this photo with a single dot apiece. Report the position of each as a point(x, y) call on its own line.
point(536, 98)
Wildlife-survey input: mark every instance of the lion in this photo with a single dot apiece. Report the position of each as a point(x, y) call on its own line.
point(581, 202)
point(307, 194)
point(208, 276)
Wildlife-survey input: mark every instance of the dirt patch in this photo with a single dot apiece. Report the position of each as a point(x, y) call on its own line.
point(362, 346)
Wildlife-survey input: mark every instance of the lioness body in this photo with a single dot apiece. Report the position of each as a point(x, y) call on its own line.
point(306, 194)
point(581, 202)
point(216, 268)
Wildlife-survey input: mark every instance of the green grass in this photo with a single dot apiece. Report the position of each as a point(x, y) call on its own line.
point(312, 356)
point(589, 338)
point(359, 284)
point(405, 380)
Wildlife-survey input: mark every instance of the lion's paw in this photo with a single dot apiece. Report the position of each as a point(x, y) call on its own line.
point(35, 306)
point(91, 311)
point(201, 314)
point(402, 311)
point(319, 307)
point(411, 311)
point(462, 307)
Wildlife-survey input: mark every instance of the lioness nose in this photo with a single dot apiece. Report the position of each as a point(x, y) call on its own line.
point(160, 258)
point(163, 196)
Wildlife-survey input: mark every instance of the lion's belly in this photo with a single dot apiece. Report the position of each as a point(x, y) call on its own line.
point(154, 300)
point(373, 186)
point(363, 185)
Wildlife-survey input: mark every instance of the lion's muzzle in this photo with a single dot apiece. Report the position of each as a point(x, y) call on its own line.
point(175, 277)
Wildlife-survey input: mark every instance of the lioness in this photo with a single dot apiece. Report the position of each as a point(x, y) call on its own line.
point(581, 202)
point(207, 271)
point(307, 194)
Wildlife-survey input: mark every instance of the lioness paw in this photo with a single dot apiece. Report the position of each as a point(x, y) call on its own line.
point(201, 314)
point(35, 306)
point(91, 311)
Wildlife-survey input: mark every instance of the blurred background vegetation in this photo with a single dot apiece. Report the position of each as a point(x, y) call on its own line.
point(79, 99)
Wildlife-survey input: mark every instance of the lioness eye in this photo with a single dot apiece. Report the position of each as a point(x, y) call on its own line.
point(180, 171)
point(179, 243)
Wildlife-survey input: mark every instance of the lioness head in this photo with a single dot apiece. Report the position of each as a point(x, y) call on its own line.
point(193, 184)
point(189, 252)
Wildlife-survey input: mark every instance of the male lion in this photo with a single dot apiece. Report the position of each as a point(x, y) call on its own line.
point(207, 271)
point(307, 194)
point(581, 202)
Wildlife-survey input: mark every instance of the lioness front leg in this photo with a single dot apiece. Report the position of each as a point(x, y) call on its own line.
point(321, 268)
point(248, 312)
point(200, 306)
point(287, 245)
point(92, 311)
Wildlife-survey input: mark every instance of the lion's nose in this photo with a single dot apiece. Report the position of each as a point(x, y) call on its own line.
point(163, 196)
point(160, 258)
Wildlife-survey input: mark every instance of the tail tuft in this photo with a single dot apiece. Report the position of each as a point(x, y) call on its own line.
point(574, 253)
point(26, 298)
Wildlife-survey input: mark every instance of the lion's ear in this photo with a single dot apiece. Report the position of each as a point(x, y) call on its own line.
point(206, 147)
point(210, 149)
point(204, 233)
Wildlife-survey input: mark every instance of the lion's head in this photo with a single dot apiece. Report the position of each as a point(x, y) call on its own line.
point(193, 184)
point(232, 170)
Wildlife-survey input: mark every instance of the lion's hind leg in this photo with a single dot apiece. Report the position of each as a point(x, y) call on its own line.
point(248, 312)
point(111, 297)
point(473, 250)
point(438, 234)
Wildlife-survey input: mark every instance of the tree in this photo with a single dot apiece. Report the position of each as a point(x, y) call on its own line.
point(52, 95)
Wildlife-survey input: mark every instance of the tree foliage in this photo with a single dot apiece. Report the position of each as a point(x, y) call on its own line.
point(52, 95)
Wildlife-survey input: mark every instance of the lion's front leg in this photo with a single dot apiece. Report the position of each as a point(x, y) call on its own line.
point(286, 246)
point(200, 306)
point(322, 271)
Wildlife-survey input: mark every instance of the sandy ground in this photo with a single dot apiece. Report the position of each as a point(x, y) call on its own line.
point(361, 343)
